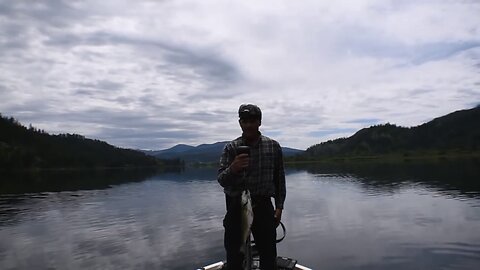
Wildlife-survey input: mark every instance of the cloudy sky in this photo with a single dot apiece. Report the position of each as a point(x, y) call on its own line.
point(152, 74)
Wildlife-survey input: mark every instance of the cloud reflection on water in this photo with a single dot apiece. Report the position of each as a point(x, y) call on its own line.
point(354, 217)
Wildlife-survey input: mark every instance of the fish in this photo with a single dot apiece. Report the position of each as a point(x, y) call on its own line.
point(246, 219)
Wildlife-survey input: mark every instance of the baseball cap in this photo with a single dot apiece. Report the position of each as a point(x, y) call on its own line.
point(248, 111)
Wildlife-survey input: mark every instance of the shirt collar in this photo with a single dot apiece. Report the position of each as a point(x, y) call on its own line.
point(257, 142)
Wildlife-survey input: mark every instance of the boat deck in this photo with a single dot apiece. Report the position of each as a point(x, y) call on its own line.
point(282, 262)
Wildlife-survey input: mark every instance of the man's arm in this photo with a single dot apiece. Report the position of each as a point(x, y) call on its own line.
point(230, 166)
point(279, 174)
point(280, 189)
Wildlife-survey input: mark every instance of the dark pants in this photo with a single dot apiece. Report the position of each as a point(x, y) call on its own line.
point(263, 230)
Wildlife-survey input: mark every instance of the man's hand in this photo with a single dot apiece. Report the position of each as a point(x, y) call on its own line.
point(278, 216)
point(240, 163)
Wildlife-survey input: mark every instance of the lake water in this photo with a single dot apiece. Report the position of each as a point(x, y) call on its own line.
point(363, 216)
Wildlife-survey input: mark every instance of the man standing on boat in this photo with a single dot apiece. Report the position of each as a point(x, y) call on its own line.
point(262, 173)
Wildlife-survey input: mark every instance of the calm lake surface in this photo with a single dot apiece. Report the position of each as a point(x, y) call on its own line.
point(363, 216)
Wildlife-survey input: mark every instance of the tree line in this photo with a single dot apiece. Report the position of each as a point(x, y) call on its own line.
point(456, 132)
point(22, 147)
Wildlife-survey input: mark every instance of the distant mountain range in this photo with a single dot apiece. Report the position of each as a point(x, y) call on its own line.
point(457, 131)
point(204, 153)
point(22, 147)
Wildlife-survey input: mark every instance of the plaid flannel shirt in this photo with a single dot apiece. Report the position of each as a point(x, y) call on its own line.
point(265, 175)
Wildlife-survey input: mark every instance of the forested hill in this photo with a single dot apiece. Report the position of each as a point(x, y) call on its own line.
point(22, 147)
point(457, 131)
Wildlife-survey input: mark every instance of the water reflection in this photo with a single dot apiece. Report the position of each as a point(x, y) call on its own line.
point(348, 216)
point(35, 187)
point(385, 216)
point(138, 225)
point(452, 178)
point(69, 180)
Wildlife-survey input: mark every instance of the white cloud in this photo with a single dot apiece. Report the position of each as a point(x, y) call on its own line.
point(156, 73)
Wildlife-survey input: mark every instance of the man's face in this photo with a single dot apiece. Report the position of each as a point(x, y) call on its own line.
point(250, 126)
